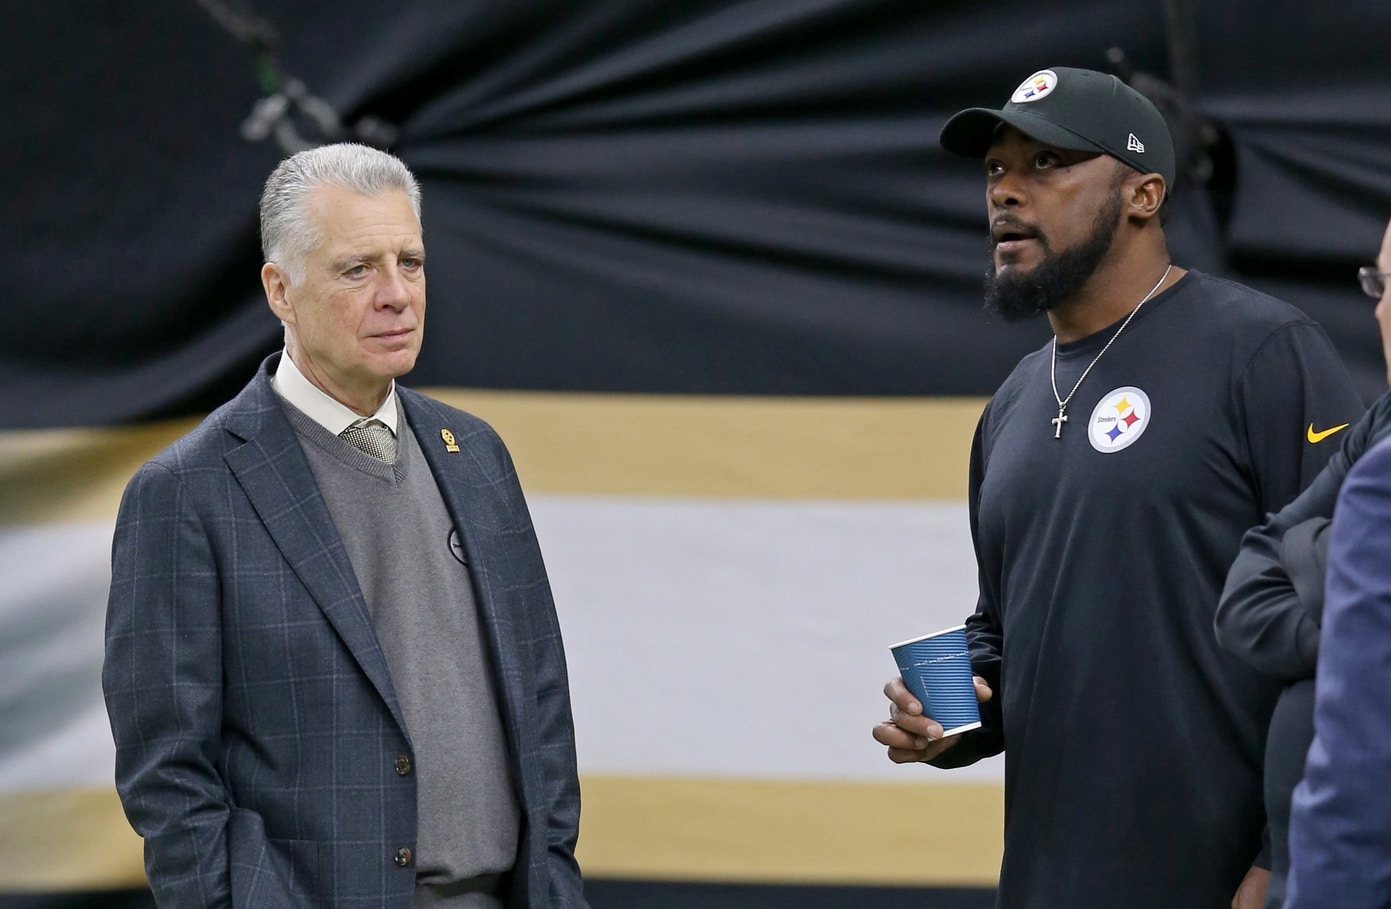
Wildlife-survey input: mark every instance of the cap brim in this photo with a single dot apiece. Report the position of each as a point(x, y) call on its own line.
point(971, 132)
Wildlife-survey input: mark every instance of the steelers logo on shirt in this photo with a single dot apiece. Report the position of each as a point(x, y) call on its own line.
point(1120, 418)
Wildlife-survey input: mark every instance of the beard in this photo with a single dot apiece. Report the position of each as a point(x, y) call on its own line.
point(1016, 296)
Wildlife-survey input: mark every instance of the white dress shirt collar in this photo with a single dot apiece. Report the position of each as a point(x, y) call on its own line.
point(322, 408)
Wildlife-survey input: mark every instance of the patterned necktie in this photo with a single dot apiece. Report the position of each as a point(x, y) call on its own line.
point(373, 437)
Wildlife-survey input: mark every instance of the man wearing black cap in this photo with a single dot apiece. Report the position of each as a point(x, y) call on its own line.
point(1112, 476)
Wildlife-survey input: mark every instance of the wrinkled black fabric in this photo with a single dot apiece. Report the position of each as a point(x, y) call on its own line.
point(717, 196)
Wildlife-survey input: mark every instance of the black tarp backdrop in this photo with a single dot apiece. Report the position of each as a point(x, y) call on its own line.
point(726, 196)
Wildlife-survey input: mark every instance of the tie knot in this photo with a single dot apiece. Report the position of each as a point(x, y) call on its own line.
point(373, 437)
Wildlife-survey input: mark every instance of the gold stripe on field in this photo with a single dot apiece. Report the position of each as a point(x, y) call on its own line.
point(777, 831)
point(62, 475)
point(779, 448)
point(934, 834)
point(639, 445)
point(67, 839)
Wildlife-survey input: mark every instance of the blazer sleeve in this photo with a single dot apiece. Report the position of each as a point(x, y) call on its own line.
point(559, 772)
point(554, 722)
point(1261, 616)
point(162, 680)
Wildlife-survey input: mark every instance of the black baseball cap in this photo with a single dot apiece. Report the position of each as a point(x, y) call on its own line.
point(1077, 109)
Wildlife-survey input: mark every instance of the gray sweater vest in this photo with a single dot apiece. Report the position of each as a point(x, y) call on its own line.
point(407, 558)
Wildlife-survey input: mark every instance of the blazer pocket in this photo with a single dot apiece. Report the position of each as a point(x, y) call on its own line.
point(269, 873)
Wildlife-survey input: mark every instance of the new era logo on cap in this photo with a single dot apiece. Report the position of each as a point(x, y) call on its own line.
point(1135, 144)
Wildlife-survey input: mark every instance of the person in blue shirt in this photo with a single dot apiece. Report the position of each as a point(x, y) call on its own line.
point(1340, 815)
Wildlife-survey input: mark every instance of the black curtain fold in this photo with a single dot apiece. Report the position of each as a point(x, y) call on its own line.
point(725, 197)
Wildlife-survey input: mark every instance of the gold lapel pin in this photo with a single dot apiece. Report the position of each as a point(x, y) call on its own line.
point(449, 444)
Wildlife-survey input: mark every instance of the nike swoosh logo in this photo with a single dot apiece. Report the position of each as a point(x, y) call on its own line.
point(1317, 437)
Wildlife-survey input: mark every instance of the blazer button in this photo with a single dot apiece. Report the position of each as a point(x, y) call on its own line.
point(404, 856)
point(403, 764)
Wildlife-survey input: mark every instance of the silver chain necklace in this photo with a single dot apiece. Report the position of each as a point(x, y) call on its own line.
point(1061, 418)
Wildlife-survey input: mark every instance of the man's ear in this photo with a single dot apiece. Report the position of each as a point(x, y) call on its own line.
point(1145, 195)
point(277, 286)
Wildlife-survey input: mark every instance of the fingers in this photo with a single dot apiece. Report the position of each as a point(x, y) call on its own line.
point(901, 756)
point(896, 738)
point(921, 727)
point(906, 713)
point(905, 747)
point(908, 735)
point(899, 695)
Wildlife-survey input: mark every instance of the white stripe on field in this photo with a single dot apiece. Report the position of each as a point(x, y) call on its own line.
point(727, 638)
point(739, 638)
point(53, 728)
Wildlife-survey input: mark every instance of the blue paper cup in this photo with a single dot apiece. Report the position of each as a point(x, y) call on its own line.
point(937, 669)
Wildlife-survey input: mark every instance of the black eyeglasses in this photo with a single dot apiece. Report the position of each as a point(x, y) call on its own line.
point(1373, 282)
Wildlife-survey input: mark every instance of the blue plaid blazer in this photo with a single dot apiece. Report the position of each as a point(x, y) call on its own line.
point(256, 728)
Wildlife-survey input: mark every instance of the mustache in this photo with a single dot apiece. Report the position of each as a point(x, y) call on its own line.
point(1006, 227)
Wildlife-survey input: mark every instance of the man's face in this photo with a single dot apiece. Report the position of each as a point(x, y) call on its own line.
point(1053, 216)
point(358, 317)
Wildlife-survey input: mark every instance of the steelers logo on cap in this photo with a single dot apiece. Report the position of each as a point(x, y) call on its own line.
point(1036, 86)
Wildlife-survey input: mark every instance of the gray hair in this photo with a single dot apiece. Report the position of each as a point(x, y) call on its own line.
point(287, 235)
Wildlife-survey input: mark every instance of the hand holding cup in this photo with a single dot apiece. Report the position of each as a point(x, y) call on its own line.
point(934, 699)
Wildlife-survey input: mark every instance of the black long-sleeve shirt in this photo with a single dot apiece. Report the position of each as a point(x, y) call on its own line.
point(1132, 742)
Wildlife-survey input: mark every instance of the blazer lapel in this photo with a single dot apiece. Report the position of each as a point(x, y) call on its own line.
point(460, 477)
point(272, 470)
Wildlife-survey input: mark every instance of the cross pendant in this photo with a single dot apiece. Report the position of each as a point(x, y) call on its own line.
point(1058, 422)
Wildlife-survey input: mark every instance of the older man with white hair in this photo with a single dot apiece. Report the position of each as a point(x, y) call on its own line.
point(334, 671)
